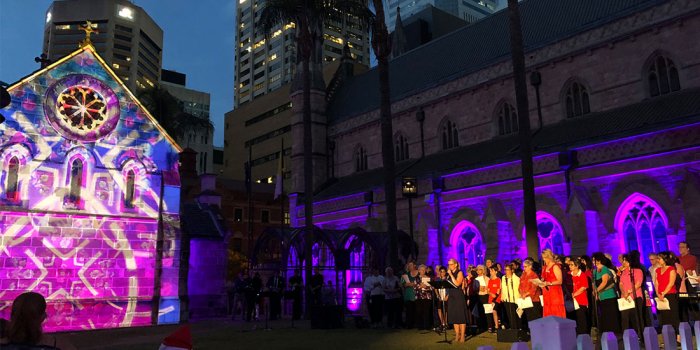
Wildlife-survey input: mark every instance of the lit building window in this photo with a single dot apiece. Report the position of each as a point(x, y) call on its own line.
point(12, 183)
point(48, 17)
point(125, 12)
point(63, 26)
point(643, 224)
point(467, 244)
point(115, 65)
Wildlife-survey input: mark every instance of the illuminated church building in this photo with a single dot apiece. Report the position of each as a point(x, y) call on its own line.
point(86, 173)
point(616, 158)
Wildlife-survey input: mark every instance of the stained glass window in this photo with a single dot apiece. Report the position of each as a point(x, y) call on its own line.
point(507, 119)
point(450, 135)
point(467, 244)
point(82, 108)
point(577, 101)
point(643, 224)
point(12, 185)
point(662, 77)
point(129, 196)
point(550, 233)
point(76, 180)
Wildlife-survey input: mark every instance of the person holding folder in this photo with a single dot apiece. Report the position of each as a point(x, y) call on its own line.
point(456, 304)
point(510, 286)
point(666, 293)
point(580, 294)
point(530, 292)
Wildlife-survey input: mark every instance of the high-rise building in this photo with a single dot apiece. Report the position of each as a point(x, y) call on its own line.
point(264, 65)
point(128, 38)
point(468, 10)
point(199, 136)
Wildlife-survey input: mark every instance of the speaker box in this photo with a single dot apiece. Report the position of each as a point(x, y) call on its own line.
point(510, 335)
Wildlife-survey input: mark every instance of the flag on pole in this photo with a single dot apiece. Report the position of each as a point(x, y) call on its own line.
point(280, 172)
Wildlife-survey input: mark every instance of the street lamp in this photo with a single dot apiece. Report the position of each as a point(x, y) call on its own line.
point(410, 191)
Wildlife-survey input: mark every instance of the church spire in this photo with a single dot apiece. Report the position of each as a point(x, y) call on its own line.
point(398, 42)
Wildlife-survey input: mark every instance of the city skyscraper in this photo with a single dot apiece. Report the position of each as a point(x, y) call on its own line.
point(128, 39)
point(468, 10)
point(264, 65)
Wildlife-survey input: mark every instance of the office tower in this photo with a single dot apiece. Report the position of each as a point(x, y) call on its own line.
point(264, 65)
point(468, 10)
point(128, 39)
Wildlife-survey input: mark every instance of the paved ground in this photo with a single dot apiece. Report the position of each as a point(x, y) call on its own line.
point(224, 334)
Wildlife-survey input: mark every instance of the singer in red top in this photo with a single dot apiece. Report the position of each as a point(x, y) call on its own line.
point(494, 287)
point(552, 292)
point(579, 293)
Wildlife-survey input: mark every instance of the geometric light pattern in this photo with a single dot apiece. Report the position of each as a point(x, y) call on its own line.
point(81, 169)
point(467, 245)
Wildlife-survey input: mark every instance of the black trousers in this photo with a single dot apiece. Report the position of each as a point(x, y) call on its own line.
point(582, 326)
point(689, 311)
point(410, 307)
point(275, 305)
point(609, 316)
point(296, 306)
point(392, 308)
point(376, 308)
point(424, 313)
point(512, 315)
point(534, 312)
point(484, 317)
point(631, 319)
point(670, 316)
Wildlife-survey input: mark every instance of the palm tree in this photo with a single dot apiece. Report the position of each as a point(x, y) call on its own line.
point(308, 17)
point(518, 57)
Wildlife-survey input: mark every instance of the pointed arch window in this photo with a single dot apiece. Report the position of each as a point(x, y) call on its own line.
point(507, 119)
point(576, 100)
point(360, 159)
point(401, 148)
point(467, 243)
point(76, 181)
point(643, 224)
point(662, 76)
point(130, 188)
point(12, 184)
point(550, 233)
point(450, 135)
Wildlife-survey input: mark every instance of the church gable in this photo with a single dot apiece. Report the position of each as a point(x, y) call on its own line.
point(77, 109)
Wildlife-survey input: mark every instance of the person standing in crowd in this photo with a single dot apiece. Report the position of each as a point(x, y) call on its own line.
point(275, 285)
point(604, 277)
point(456, 304)
point(259, 302)
point(488, 263)
point(329, 296)
point(471, 293)
point(654, 264)
point(296, 283)
point(408, 280)
point(482, 281)
point(25, 329)
point(494, 289)
point(510, 293)
point(374, 287)
point(517, 267)
point(237, 287)
point(552, 293)
point(689, 310)
point(250, 296)
point(424, 300)
point(580, 294)
point(441, 295)
point(316, 286)
point(665, 285)
point(631, 281)
point(531, 290)
point(392, 298)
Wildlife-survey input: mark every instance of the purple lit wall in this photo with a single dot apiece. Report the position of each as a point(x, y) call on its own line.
point(82, 165)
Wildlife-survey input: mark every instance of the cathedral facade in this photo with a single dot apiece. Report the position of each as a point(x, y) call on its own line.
point(614, 96)
point(89, 186)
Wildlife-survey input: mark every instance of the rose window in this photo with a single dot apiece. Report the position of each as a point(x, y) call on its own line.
point(82, 108)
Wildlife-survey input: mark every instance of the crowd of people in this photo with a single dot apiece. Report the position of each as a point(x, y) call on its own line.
point(590, 290)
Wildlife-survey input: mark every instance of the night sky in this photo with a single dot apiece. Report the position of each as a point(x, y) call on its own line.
point(198, 41)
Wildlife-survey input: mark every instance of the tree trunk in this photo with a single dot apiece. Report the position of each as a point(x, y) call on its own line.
point(381, 49)
point(518, 56)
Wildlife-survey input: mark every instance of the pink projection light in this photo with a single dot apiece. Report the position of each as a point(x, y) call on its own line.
point(354, 299)
point(466, 237)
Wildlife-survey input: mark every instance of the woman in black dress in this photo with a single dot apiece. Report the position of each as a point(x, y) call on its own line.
point(456, 304)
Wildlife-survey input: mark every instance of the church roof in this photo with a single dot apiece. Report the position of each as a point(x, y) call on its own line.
point(476, 47)
point(659, 113)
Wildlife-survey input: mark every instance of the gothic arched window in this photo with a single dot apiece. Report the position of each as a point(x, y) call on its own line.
point(507, 119)
point(550, 233)
point(450, 135)
point(129, 190)
point(643, 224)
point(467, 244)
point(76, 181)
point(12, 184)
point(662, 76)
point(401, 148)
point(360, 159)
point(576, 100)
